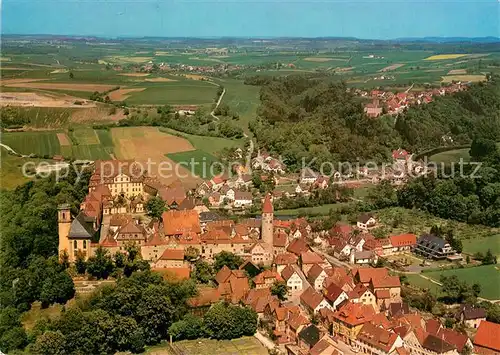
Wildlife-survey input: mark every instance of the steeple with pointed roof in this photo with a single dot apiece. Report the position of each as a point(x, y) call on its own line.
point(267, 231)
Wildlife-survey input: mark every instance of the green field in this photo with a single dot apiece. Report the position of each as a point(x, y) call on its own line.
point(451, 156)
point(40, 143)
point(210, 145)
point(11, 170)
point(45, 143)
point(243, 99)
point(316, 210)
point(105, 138)
point(417, 280)
point(487, 276)
point(175, 93)
point(482, 244)
point(198, 162)
point(244, 345)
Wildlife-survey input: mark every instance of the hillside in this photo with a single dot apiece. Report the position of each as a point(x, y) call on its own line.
point(307, 117)
point(316, 118)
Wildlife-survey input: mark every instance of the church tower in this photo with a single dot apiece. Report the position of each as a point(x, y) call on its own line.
point(64, 223)
point(267, 221)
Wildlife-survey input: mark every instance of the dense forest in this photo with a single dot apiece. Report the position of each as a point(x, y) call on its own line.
point(453, 119)
point(308, 117)
point(140, 309)
point(314, 118)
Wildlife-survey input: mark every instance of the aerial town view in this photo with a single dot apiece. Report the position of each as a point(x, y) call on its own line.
point(188, 178)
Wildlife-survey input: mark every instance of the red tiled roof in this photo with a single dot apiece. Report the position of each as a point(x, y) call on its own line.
point(298, 246)
point(267, 206)
point(205, 297)
point(377, 337)
point(314, 272)
point(381, 320)
point(454, 338)
point(366, 274)
point(173, 254)
point(288, 272)
point(388, 281)
point(310, 257)
point(355, 314)
point(180, 222)
point(432, 326)
point(332, 292)
point(296, 321)
point(488, 336)
point(267, 274)
point(223, 275)
point(280, 239)
point(401, 240)
point(382, 294)
point(285, 259)
point(311, 298)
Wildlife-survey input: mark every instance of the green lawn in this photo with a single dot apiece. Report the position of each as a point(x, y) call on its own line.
point(11, 170)
point(482, 244)
point(487, 276)
point(175, 93)
point(418, 281)
point(317, 210)
point(39, 143)
point(244, 345)
point(197, 161)
point(451, 156)
point(211, 145)
point(242, 98)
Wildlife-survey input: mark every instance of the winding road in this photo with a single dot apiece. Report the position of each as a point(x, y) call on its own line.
point(218, 103)
point(12, 150)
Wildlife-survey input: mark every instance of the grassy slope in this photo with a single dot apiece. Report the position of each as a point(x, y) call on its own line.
point(197, 161)
point(242, 98)
point(210, 145)
point(10, 170)
point(488, 276)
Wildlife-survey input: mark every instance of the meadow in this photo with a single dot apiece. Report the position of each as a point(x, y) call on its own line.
point(488, 276)
point(244, 345)
point(11, 169)
point(198, 162)
point(84, 143)
point(194, 92)
point(243, 99)
point(210, 145)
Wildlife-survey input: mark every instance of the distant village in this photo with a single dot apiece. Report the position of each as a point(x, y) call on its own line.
point(336, 301)
point(394, 103)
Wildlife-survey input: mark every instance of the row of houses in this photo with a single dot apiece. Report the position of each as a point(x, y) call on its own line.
point(397, 102)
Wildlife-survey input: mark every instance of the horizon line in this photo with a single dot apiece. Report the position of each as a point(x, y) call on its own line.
point(425, 38)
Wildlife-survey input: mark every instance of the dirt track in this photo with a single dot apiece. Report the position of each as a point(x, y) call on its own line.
point(31, 99)
point(122, 94)
point(59, 86)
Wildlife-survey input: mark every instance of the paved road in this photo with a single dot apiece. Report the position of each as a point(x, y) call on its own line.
point(332, 259)
point(264, 340)
point(218, 103)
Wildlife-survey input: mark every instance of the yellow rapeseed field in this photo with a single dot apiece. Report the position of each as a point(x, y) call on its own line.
point(445, 56)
